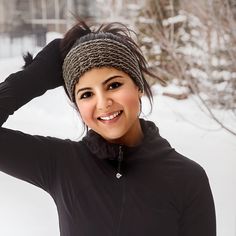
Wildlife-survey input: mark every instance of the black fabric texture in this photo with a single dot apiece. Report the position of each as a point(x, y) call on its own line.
point(42, 74)
point(160, 192)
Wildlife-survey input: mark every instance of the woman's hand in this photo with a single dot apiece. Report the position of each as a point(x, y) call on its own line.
point(42, 73)
point(47, 65)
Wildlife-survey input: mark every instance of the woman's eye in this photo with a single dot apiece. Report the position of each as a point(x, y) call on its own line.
point(114, 85)
point(86, 95)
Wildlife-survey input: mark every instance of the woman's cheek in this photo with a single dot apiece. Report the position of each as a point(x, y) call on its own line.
point(130, 100)
point(85, 112)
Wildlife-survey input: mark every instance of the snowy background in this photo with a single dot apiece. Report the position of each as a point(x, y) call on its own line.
point(26, 210)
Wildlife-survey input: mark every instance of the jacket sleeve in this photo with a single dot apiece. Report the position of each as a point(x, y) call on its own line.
point(198, 216)
point(42, 74)
point(22, 155)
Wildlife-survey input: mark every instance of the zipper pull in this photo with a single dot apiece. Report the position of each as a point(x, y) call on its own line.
point(120, 159)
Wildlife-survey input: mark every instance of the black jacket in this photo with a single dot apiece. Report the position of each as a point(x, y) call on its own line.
point(160, 191)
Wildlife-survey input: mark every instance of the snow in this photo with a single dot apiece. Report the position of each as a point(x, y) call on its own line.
point(26, 210)
point(223, 74)
point(197, 73)
point(174, 20)
point(145, 20)
point(52, 35)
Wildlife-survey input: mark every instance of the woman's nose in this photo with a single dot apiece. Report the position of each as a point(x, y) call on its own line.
point(104, 103)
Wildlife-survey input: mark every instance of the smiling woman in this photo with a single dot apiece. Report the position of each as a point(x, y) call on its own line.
point(122, 178)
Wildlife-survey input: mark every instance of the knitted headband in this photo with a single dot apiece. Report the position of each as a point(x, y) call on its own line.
point(99, 53)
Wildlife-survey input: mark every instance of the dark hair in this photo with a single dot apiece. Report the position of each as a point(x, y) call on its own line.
point(82, 32)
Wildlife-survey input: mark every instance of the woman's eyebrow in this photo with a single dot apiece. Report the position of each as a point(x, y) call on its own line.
point(103, 83)
point(82, 89)
point(111, 78)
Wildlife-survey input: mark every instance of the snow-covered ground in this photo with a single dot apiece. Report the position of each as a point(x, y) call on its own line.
point(26, 210)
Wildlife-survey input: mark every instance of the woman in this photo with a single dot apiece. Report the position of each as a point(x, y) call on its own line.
point(122, 178)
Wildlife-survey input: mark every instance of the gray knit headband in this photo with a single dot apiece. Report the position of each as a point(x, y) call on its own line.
point(99, 53)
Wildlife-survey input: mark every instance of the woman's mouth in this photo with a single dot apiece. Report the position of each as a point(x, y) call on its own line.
point(110, 117)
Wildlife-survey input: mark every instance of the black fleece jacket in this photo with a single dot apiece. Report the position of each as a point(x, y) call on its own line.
point(160, 191)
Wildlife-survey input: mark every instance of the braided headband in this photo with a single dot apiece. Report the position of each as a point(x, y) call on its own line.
point(99, 53)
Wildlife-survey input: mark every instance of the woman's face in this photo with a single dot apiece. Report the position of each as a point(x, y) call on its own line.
point(108, 102)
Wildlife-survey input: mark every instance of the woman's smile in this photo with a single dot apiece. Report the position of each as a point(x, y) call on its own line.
point(110, 117)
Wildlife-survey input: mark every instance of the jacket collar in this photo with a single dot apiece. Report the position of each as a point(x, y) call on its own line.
point(105, 150)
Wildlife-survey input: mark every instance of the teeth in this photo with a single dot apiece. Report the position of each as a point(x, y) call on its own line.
point(110, 117)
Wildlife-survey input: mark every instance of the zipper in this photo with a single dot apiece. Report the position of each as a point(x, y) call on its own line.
point(123, 189)
point(120, 159)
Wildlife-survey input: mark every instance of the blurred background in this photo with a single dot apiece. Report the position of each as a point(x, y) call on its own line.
point(190, 44)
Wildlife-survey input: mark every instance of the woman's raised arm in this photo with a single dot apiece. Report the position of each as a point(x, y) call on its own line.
point(42, 74)
point(22, 155)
